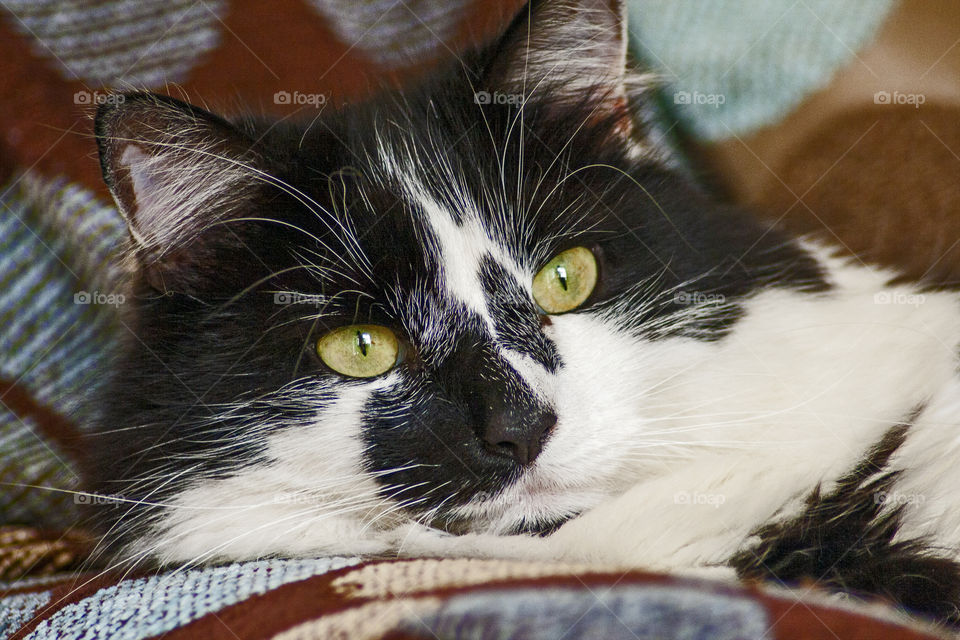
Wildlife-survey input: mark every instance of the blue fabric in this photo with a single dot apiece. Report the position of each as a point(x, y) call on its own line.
point(612, 613)
point(18, 609)
point(136, 609)
point(732, 66)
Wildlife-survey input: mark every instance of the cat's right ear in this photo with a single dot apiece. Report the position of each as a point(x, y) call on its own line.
point(569, 54)
point(176, 173)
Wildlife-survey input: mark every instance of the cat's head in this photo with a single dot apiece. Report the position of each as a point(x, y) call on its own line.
point(459, 302)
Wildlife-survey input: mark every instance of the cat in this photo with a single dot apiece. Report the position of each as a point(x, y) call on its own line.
point(488, 315)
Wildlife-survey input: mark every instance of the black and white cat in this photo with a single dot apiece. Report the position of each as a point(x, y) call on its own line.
point(432, 323)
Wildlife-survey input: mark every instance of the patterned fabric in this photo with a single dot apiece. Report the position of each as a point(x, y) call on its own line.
point(57, 272)
point(18, 609)
point(61, 290)
point(428, 599)
point(397, 33)
point(74, 35)
point(26, 551)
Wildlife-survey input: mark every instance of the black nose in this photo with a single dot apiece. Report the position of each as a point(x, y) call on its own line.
point(518, 434)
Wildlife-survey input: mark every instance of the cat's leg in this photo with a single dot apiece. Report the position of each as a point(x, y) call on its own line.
point(701, 515)
point(689, 521)
point(890, 527)
point(417, 540)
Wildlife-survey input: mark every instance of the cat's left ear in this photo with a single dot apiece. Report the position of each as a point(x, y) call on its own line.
point(566, 53)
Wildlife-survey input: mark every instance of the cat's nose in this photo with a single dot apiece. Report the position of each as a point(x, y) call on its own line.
point(520, 437)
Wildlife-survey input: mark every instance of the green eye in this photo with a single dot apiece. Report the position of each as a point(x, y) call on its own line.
point(566, 281)
point(359, 350)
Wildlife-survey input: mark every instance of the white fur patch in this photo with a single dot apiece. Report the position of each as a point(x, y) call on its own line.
point(309, 497)
point(461, 241)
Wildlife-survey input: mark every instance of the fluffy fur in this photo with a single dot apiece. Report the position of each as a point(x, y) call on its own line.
point(717, 404)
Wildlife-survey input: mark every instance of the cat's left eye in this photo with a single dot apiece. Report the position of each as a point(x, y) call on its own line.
point(359, 350)
point(566, 282)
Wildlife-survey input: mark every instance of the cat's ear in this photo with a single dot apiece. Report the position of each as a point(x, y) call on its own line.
point(567, 52)
point(176, 172)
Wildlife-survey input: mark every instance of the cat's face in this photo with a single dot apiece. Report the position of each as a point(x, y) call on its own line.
point(425, 306)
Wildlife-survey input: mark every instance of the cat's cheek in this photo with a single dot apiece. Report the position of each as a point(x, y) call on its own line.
point(604, 394)
point(306, 495)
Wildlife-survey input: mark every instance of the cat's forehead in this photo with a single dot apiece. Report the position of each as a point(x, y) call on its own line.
point(435, 247)
point(463, 233)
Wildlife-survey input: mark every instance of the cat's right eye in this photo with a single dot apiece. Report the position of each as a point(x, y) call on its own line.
point(359, 350)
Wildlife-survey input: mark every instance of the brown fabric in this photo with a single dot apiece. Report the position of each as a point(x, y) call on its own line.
point(350, 602)
point(27, 552)
point(885, 182)
point(388, 599)
point(50, 423)
point(278, 610)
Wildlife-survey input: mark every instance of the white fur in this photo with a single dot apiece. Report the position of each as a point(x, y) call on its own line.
point(307, 497)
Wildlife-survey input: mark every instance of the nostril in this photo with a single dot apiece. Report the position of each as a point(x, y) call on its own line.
point(547, 422)
point(519, 439)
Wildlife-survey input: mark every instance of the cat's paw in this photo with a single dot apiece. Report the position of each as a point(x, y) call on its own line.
point(711, 573)
point(416, 540)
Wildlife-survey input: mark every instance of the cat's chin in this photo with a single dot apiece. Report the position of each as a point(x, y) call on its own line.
point(543, 527)
point(531, 506)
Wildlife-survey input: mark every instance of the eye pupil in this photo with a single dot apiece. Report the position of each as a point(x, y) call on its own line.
point(561, 272)
point(363, 342)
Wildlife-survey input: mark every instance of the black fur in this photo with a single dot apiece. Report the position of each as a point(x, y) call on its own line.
point(844, 541)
